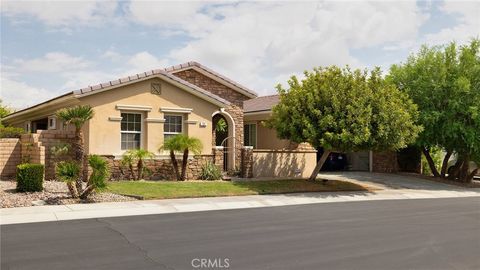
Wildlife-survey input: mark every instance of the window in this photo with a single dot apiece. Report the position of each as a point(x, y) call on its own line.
point(131, 130)
point(173, 126)
point(250, 135)
point(52, 122)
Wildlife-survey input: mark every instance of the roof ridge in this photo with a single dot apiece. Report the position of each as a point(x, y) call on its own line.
point(182, 66)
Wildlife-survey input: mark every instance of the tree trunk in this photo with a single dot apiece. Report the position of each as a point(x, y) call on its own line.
point(463, 174)
point(471, 175)
point(431, 164)
point(319, 165)
point(72, 189)
point(140, 169)
point(175, 164)
point(79, 157)
point(445, 164)
point(456, 169)
point(184, 164)
point(132, 171)
point(89, 189)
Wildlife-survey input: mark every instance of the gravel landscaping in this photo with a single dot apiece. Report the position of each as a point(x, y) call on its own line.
point(54, 193)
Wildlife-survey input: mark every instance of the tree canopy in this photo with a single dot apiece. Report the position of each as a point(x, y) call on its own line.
point(344, 110)
point(444, 81)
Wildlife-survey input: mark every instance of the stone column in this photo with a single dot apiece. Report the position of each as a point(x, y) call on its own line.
point(247, 162)
point(217, 152)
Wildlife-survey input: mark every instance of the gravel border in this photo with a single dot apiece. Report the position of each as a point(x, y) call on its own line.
point(54, 193)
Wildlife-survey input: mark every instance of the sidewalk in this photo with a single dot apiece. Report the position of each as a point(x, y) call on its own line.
point(134, 208)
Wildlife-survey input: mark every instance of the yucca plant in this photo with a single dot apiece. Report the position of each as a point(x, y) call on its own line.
point(78, 116)
point(181, 143)
point(139, 156)
point(99, 176)
point(210, 172)
point(69, 172)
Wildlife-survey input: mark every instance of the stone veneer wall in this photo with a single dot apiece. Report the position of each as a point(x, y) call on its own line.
point(161, 169)
point(385, 162)
point(10, 157)
point(235, 110)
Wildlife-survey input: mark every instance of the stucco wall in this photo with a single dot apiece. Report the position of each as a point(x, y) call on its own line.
point(103, 131)
point(283, 163)
point(10, 157)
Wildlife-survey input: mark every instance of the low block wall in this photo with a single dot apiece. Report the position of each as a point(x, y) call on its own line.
point(160, 169)
point(10, 157)
point(283, 163)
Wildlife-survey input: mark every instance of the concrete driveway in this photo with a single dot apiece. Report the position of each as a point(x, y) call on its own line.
point(389, 181)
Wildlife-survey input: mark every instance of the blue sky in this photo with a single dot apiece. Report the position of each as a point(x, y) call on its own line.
point(49, 48)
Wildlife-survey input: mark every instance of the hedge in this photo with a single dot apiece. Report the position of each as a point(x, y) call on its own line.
point(30, 177)
point(11, 132)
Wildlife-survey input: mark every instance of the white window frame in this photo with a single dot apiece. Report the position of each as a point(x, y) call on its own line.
point(142, 128)
point(173, 133)
point(53, 120)
point(256, 134)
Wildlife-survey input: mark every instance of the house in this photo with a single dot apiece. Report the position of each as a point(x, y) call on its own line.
point(143, 110)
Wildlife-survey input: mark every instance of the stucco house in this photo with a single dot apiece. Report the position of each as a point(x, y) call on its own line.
point(142, 110)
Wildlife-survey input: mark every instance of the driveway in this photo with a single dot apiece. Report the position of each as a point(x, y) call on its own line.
point(400, 234)
point(390, 181)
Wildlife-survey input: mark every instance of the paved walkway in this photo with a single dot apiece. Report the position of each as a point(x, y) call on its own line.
point(394, 187)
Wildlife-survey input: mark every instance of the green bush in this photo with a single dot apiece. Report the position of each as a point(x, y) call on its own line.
point(100, 172)
point(68, 171)
point(11, 132)
point(30, 177)
point(210, 172)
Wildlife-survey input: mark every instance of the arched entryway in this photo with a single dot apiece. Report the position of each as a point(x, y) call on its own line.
point(223, 131)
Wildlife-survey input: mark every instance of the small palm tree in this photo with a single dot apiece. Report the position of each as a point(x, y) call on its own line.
point(78, 116)
point(69, 172)
point(138, 155)
point(185, 144)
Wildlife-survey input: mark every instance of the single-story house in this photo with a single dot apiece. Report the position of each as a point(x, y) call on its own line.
point(143, 110)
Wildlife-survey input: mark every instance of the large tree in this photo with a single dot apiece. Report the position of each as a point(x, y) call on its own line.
point(444, 82)
point(343, 110)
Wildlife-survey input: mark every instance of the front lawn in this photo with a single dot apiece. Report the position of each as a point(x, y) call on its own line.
point(170, 190)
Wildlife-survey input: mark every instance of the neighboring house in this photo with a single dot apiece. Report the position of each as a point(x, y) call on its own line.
point(143, 110)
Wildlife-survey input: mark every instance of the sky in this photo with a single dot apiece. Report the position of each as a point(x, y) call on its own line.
point(52, 47)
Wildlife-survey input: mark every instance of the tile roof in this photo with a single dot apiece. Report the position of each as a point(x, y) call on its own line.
point(192, 64)
point(260, 104)
point(139, 76)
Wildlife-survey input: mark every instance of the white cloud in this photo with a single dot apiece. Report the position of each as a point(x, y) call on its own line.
point(52, 62)
point(253, 42)
point(60, 13)
point(468, 15)
point(19, 95)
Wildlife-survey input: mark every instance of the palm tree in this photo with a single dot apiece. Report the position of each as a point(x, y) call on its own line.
point(138, 155)
point(185, 144)
point(78, 116)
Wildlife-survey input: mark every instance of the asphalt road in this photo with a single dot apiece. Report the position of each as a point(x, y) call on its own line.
point(400, 234)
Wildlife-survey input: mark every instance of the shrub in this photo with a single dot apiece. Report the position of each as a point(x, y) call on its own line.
point(100, 171)
point(30, 177)
point(210, 172)
point(68, 171)
point(11, 132)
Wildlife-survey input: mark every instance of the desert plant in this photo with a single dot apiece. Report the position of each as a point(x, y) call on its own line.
point(69, 172)
point(11, 132)
point(30, 177)
point(221, 125)
point(210, 172)
point(99, 176)
point(139, 156)
point(185, 144)
point(78, 116)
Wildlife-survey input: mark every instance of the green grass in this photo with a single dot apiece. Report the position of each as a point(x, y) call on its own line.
point(170, 190)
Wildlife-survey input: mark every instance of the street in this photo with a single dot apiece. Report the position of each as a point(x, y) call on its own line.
point(390, 234)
